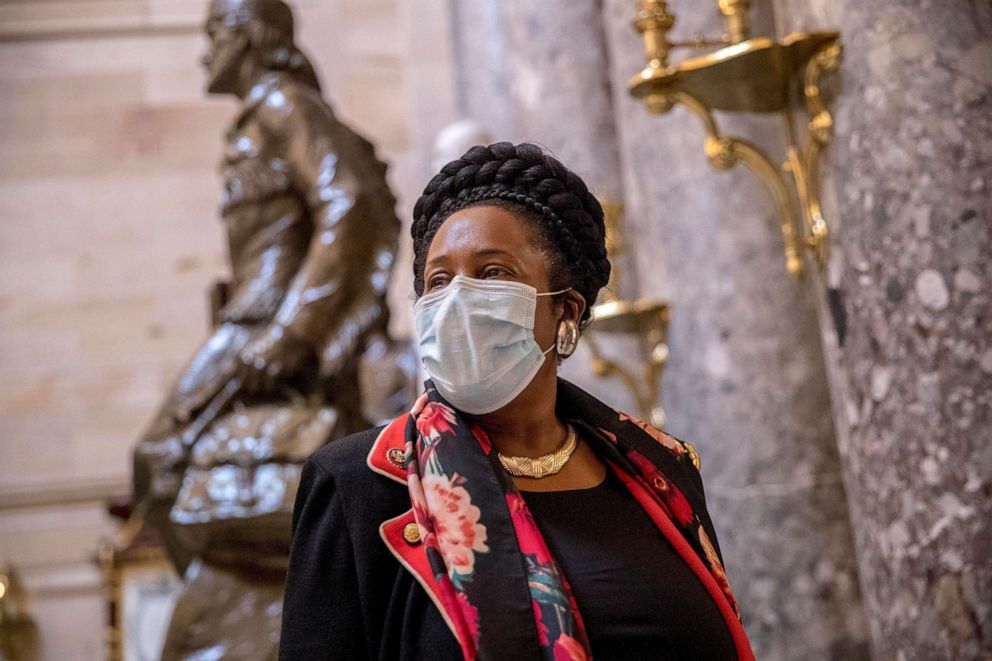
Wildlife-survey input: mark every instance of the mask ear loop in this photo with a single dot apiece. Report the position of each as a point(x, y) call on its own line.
point(552, 293)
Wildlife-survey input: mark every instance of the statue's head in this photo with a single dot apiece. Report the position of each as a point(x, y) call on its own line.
point(244, 36)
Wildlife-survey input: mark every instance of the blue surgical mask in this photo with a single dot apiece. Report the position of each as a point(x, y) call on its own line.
point(477, 341)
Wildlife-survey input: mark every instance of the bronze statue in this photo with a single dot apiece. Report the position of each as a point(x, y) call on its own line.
point(312, 233)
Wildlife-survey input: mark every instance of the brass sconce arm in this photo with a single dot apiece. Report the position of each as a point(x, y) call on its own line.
point(752, 75)
point(805, 165)
point(724, 152)
point(646, 320)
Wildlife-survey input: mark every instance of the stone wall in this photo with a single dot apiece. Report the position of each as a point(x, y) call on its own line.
point(909, 340)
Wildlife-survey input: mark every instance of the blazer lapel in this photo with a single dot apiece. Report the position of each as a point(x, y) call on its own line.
point(387, 455)
point(401, 534)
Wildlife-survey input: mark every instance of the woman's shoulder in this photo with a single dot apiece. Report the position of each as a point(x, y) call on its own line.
point(341, 468)
point(346, 456)
point(336, 478)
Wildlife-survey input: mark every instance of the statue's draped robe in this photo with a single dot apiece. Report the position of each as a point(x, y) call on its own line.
point(312, 233)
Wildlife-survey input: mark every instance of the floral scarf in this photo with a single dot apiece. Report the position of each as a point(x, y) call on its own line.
point(501, 588)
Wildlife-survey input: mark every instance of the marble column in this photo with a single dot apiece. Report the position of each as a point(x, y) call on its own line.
point(481, 65)
point(539, 72)
point(560, 87)
point(910, 339)
point(746, 380)
point(562, 99)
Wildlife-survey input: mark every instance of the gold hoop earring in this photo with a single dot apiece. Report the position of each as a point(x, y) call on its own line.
point(567, 337)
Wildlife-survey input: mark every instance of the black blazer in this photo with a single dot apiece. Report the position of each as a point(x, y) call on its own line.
point(328, 612)
point(359, 583)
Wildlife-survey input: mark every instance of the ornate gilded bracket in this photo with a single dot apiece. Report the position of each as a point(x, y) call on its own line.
point(751, 75)
point(645, 320)
point(805, 164)
point(648, 321)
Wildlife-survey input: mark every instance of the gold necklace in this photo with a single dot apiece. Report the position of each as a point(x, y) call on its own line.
point(548, 464)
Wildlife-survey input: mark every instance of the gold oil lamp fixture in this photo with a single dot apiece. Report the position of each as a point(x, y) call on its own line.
point(746, 74)
point(644, 319)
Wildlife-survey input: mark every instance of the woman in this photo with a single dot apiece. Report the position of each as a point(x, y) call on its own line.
point(509, 515)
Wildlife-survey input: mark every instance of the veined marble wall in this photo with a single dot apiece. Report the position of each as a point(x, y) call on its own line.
point(910, 342)
point(110, 239)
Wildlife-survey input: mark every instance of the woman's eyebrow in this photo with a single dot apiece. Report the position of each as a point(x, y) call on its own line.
point(495, 251)
point(478, 253)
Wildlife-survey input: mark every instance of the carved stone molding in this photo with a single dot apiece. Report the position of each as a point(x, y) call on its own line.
point(62, 492)
point(81, 19)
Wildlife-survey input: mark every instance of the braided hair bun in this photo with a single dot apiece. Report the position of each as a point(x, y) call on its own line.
point(537, 188)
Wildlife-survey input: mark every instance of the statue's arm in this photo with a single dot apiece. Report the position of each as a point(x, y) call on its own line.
point(353, 243)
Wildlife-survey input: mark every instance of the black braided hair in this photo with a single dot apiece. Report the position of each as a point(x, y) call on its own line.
point(536, 188)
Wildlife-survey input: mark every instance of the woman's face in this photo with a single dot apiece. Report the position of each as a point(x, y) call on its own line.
point(491, 243)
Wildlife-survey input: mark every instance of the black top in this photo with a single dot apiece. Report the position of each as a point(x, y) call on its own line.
point(637, 597)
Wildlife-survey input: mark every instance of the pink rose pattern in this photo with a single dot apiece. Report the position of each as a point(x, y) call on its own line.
point(455, 522)
point(455, 537)
point(435, 419)
point(449, 522)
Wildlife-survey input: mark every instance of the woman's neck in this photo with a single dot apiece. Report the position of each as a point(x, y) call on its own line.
point(527, 426)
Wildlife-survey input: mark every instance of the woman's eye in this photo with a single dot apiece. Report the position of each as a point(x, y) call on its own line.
point(434, 283)
point(494, 271)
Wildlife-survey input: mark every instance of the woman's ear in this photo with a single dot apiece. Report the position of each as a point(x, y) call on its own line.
point(574, 305)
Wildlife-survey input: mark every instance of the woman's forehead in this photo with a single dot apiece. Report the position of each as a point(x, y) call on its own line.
point(483, 228)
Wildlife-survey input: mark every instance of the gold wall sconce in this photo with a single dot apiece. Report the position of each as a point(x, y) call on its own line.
point(140, 586)
point(19, 634)
point(644, 319)
point(750, 75)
